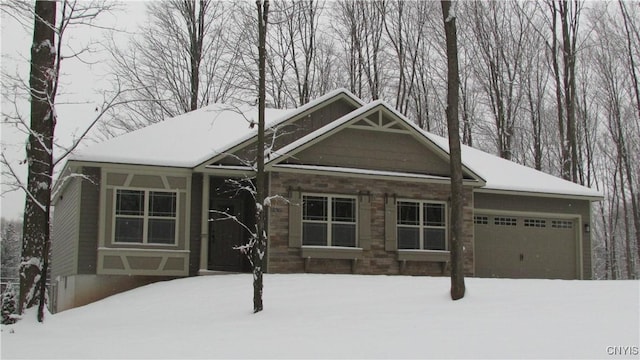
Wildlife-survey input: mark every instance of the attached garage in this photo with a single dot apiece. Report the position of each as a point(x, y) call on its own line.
point(519, 245)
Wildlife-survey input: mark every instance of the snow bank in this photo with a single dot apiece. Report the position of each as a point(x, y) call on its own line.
point(342, 316)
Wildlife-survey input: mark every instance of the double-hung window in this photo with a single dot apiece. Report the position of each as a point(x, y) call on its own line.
point(328, 220)
point(422, 225)
point(145, 216)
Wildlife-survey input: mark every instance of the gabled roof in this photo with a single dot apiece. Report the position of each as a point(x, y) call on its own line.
point(499, 175)
point(401, 123)
point(290, 117)
point(507, 176)
point(192, 138)
point(183, 141)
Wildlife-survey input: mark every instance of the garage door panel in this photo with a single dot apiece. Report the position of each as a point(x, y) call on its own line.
point(525, 247)
point(499, 254)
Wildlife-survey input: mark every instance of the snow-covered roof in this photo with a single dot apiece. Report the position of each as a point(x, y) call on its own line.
point(504, 175)
point(182, 141)
point(190, 139)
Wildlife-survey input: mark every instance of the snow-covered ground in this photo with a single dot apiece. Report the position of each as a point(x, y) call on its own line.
point(343, 316)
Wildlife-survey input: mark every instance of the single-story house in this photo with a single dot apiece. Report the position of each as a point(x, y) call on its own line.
point(356, 188)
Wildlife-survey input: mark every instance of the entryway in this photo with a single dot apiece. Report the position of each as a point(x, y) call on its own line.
point(228, 216)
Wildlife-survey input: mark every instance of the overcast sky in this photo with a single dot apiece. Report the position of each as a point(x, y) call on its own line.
point(80, 89)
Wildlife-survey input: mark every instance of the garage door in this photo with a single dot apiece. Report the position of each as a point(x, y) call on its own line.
point(525, 247)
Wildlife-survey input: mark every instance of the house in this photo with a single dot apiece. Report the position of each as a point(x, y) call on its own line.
point(355, 188)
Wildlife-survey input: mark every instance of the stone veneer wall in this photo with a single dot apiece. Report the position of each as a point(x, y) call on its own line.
point(285, 259)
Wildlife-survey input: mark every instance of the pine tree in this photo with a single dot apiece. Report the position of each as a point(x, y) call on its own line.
point(9, 300)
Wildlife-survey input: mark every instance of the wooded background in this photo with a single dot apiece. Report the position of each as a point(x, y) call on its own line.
point(548, 84)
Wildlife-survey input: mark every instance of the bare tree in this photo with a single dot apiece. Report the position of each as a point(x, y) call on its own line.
point(260, 246)
point(35, 243)
point(455, 152)
point(43, 86)
point(181, 60)
point(363, 24)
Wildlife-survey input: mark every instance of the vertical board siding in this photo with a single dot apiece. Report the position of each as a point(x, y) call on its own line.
point(66, 230)
point(88, 229)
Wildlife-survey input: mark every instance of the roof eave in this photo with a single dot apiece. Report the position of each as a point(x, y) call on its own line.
point(540, 194)
point(297, 114)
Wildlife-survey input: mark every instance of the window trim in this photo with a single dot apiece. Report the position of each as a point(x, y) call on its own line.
point(329, 221)
point(145, 217)
point(422, 226)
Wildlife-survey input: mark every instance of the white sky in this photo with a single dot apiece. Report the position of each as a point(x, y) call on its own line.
point(80, 88)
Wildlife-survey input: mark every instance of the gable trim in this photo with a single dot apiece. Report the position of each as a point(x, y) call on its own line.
point(356, 116)
point(367, 174)
point(300, 112)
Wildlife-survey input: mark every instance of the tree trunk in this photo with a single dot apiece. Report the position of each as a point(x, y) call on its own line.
point(455, 158)
point(39, 157)
point(258, 250)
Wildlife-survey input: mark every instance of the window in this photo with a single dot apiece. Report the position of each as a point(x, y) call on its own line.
point(481, 220)
point(143, 216)
point(505, 221)
point(422, 225)
point(328, 221)
point(562, 224)
point(535, 223)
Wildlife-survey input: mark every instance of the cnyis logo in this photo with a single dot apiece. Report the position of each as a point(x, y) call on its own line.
point(623, 350)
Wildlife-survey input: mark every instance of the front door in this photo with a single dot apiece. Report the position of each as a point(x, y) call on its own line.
point(225, 233)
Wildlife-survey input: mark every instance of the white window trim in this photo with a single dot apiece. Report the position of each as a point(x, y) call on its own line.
point(421, 227)
point(145, 217)
point(330, 221)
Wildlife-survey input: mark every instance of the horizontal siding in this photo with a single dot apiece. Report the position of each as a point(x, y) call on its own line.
point(65, 230)
point(377, 150)
point(88, 229)
point(299, 128)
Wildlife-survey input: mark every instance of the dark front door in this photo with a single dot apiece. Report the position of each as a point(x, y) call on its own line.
point(225, 233)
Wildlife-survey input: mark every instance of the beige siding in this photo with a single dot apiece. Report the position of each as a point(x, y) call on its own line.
point(66, 230)
point(376, 150)
point(297, 129)
point(144, 181)
point(145, 259)
point(545, 205)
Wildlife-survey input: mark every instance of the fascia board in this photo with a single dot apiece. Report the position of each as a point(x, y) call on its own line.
point(327, 99)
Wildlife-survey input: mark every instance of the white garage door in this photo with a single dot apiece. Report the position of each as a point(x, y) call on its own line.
point(525, 247)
